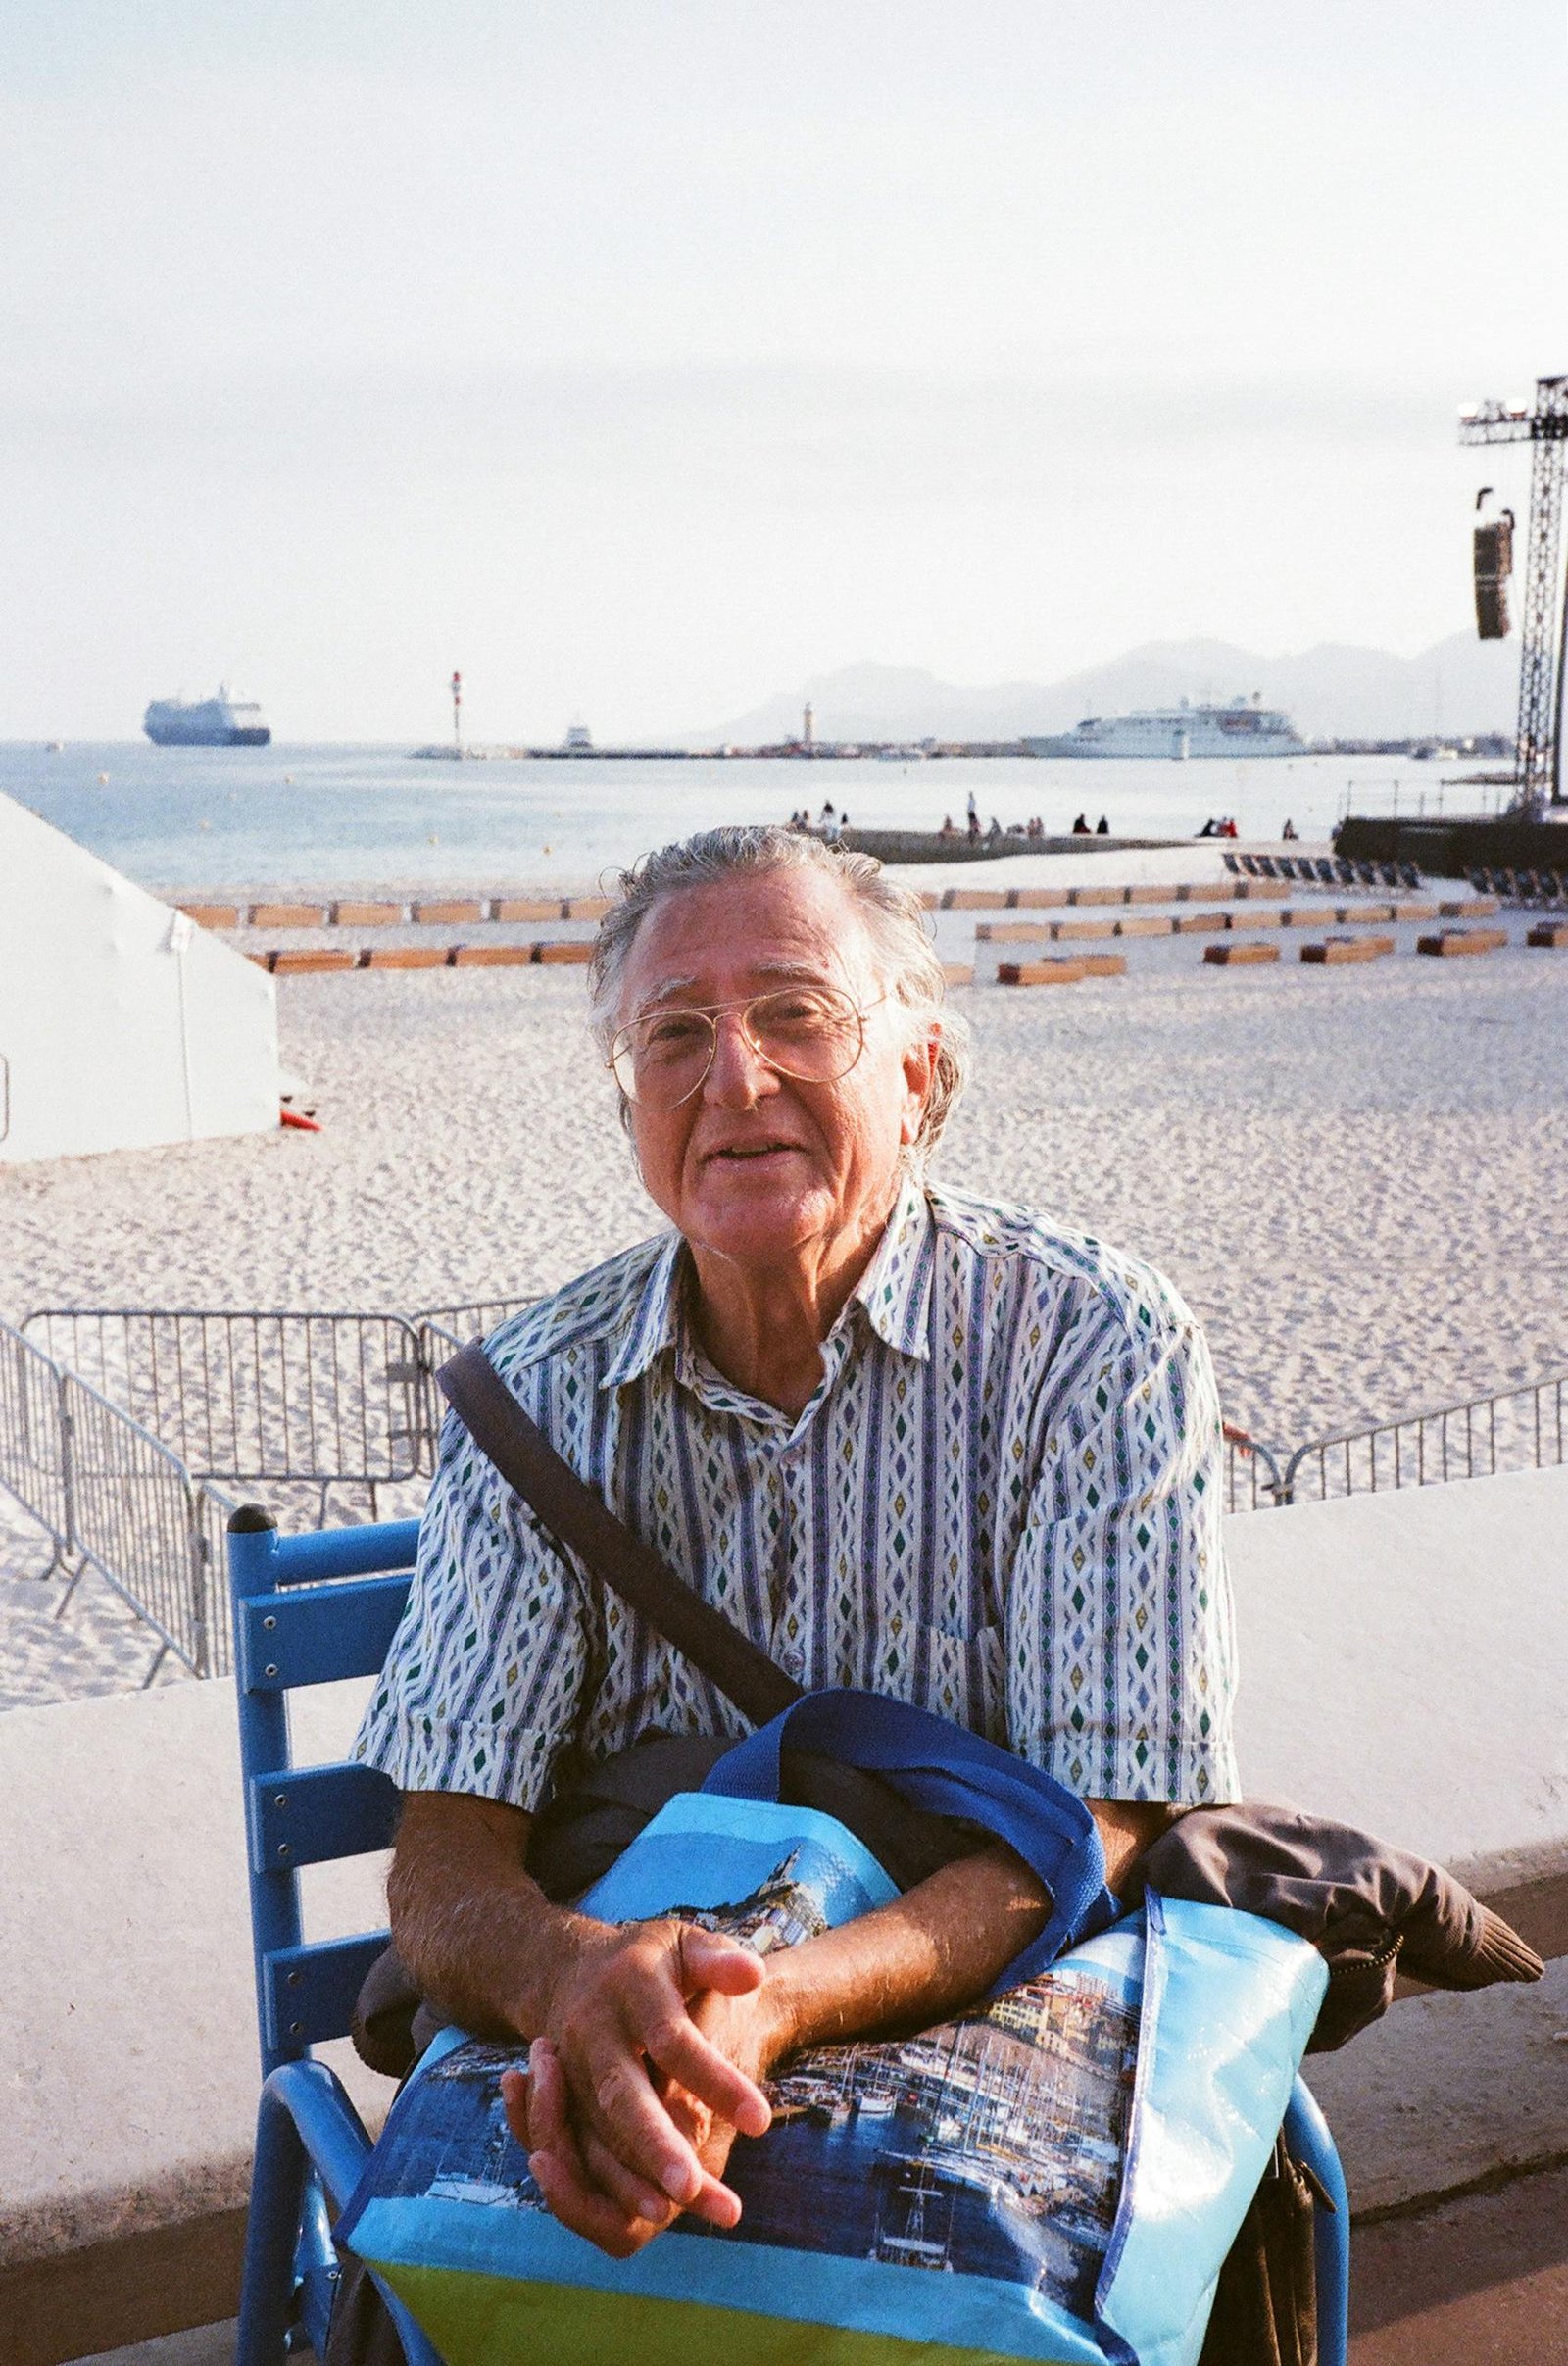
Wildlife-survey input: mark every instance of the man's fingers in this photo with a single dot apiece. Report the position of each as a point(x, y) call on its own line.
point(679, 2049)
point(709, 1959)
point(608, 2211)
point(568, 2197)
point(635, 2195)
point(625, 2112)
point(514, 2089)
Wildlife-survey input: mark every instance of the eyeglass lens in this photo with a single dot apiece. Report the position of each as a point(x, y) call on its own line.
point(813, 1034)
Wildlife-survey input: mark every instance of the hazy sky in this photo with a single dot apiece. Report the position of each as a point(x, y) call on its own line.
point(642, 359)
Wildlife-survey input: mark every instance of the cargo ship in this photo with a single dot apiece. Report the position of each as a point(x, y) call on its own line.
point(1245, 728)
point(206, 722)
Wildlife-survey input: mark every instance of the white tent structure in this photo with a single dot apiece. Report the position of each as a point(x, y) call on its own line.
point(122, 1023)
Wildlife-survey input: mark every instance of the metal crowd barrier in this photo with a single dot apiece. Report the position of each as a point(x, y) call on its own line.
point(245, 1395)
point(34, 1464)
point(1251, 1471)
point(1513, 1429)
point(473, 1321)
point(136, 1522)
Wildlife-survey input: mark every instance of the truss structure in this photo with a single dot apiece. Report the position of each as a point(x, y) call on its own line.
point(1537, 762)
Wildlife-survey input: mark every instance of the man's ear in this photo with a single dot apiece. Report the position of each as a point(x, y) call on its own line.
point(919, 1075)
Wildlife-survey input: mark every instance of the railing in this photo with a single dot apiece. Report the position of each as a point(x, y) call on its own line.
point(113, 1499)
point(1515, 1429)
point(34, 1464)
point(333, 1399)
point(136, 1523)
point(1251, 1471)
point(473, 1321)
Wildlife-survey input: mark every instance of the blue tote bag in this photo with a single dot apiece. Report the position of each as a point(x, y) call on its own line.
point(1056, 2175)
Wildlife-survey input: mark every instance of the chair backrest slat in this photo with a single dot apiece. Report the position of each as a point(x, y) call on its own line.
point(310, 1815)
point(308, 1992)
point(315, 1636)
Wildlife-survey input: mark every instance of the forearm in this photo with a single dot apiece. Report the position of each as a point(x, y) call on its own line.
point(914, 1961)
point(484, 1945)
point(937, 1949)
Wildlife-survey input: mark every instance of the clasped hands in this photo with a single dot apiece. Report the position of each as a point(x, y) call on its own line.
point(650, 2062)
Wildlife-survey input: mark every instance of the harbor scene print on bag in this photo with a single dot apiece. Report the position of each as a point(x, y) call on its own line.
point(990, 2145)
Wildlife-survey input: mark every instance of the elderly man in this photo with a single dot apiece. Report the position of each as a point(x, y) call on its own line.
point(909, 1440)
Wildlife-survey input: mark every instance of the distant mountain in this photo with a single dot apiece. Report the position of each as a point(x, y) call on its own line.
point(1335, 691)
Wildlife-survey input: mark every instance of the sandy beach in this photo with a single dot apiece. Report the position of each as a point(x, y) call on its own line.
point(1347, 1173)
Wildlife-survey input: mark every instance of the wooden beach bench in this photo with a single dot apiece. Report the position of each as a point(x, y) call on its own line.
point(1452, 942)
point(1237, 957)
point(301, 959)
point(1338, 951)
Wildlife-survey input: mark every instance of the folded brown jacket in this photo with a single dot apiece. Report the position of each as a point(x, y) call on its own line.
point(1370, 1910)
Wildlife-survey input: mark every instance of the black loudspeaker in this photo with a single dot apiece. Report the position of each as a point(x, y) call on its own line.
point(1493, 564)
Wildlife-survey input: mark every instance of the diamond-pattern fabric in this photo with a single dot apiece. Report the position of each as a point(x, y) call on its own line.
point(1002, 1503)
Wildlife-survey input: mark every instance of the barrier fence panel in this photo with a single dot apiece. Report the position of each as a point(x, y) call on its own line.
point(246, 1395)
point(210, 1573)
point(443, 1330)
point(134, 1507)
point(1516, 1429)
point(1252, 1472)
point(34, 1464)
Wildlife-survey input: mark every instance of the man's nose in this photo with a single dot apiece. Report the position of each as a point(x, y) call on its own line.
point(739, 1072)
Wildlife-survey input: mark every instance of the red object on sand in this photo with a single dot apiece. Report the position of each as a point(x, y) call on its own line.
point(297, 1117)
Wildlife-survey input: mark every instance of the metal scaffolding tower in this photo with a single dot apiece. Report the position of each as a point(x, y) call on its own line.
point(1538, 760)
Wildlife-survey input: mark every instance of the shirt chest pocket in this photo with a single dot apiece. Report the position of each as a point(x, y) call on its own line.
point(963, 1677)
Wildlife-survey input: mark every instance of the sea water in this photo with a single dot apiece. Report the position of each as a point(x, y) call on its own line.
point(195, 817)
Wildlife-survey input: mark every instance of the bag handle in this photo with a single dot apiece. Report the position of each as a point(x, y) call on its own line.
point(576, 1517)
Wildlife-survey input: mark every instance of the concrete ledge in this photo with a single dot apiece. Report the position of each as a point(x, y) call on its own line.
point(1404, 1667)
point(131, 2065)
point(162, 2280)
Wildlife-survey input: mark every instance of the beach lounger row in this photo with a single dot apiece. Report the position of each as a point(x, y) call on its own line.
point(431, 912)
point(1324, 870)
point(1548, 888)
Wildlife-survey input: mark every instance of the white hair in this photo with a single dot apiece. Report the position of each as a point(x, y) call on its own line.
point(891, 914)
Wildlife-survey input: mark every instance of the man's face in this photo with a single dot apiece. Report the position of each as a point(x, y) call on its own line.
point(754, 1165)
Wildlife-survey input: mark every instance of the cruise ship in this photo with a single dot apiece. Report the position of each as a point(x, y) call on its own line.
point(206, 722)
point(1245, 727)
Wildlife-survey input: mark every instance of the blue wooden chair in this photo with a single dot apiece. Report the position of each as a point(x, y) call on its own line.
point(313, 1610)
point(308, 1609)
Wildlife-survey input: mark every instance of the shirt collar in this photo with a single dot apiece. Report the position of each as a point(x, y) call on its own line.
point(654, 1319)
point(895, 1289)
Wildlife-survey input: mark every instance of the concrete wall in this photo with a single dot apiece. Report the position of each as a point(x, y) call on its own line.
point(1403, 1667)
point(122, 1024)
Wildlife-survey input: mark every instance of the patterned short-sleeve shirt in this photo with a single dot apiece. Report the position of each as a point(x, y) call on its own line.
point(1002, 1503)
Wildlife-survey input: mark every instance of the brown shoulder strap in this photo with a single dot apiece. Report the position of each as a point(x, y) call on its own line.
point(575, 1516)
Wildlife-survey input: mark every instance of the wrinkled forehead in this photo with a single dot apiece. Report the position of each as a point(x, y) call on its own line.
point(730, 937)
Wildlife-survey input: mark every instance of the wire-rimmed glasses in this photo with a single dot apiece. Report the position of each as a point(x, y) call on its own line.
point(811, 1033)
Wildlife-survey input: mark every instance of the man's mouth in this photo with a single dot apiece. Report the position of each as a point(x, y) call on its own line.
point(739, 1154)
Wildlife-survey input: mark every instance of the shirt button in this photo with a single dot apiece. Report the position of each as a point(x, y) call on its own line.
point(793, 1662)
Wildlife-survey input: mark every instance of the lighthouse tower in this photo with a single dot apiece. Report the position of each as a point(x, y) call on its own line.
point(805, 729)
